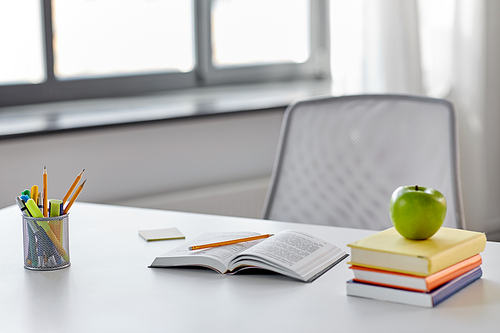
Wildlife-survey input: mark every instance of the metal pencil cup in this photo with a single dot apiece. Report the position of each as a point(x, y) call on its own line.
point(46, 242)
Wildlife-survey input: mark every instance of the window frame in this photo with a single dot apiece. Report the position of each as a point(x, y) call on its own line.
point(203, 74)
point(317, 66)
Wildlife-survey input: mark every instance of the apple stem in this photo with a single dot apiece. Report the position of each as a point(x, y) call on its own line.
point(416, 187)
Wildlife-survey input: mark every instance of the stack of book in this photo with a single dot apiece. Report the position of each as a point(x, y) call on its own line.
point(389, 267)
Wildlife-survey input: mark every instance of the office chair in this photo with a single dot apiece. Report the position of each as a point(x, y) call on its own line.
point(340, 158)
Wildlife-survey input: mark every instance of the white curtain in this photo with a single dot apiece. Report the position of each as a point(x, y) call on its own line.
point(446, 49)
point(392, 48)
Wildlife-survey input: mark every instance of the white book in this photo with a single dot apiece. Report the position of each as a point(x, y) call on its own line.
point(291, 253)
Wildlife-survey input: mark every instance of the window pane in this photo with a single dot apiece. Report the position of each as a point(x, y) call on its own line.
point(252, 32)
point(21, 55)
point(114, 37)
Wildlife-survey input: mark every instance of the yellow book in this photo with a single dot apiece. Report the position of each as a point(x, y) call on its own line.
point(388, 250)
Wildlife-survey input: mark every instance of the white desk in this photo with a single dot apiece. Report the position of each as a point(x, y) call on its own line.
point(109, 288)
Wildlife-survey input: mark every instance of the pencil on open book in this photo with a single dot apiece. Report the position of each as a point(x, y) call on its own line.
point(228, 242)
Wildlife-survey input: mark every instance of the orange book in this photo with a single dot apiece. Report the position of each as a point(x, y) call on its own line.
point(414, 282)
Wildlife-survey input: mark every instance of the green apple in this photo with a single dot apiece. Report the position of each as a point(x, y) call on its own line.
point(417, 212)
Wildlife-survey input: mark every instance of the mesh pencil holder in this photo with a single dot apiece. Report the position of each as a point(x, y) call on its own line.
point(46, 242)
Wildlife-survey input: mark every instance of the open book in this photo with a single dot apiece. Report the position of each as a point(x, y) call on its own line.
point(291, 253)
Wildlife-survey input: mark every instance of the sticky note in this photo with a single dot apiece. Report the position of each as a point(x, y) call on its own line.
point(161, 234)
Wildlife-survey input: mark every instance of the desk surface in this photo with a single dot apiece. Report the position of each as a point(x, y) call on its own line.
point(109, 288)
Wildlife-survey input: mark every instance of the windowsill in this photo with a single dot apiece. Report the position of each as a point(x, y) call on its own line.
point(20, 121)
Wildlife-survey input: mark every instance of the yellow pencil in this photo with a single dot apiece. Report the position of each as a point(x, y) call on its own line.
point(45, 196)
point(228, 242)
point(73, 198)
point(72, 187)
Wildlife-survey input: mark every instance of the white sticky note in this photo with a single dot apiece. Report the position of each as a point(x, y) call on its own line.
point(161, 234)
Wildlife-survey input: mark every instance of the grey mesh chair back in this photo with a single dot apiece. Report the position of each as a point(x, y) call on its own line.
point(340, 158)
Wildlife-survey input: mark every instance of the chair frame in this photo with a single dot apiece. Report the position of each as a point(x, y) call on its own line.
point(289, 112)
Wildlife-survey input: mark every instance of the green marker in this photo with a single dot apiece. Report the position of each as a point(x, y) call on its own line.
point(35, 211)
point(55, 209)
point(26, 192)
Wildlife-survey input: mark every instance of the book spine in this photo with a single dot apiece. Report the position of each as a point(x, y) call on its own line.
point(437, 279)
point(455, 285)
point(457, 254)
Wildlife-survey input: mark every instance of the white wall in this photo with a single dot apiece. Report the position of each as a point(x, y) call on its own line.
point(176, 164)
point(490, 198)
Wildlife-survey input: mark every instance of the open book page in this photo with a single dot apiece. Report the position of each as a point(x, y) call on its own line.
point(216, 258)
point(291, 253)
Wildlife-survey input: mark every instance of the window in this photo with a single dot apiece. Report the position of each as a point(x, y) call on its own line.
point(120, 37)
point(57, 50)
point(22, 42)
point(262, 41)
